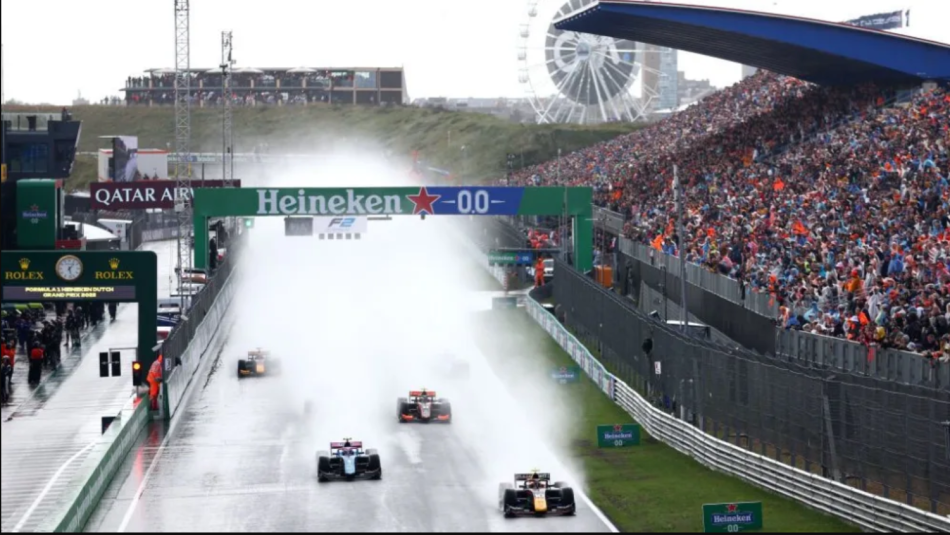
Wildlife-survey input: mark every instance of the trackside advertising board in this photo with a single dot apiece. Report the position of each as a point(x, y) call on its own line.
point(618, 435)
point(732, 517)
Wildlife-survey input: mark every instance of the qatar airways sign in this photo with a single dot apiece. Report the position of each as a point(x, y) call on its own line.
point(145, 194)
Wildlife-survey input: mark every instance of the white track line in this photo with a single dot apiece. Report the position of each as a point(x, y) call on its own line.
point(164, 445)
point(600, 514)
point(148, 474)
point(49, 486)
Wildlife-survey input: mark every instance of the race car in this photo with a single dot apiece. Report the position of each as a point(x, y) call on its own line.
point(348, 461)
point(423, 406)
point(533, 494)
point(258, 362)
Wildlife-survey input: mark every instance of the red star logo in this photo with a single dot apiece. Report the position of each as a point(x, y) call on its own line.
point(35, 208)
point(731, 508)
point(618, 428)
point(563, 369)
point(423, 201)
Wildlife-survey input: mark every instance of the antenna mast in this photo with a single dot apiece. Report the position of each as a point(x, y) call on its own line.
point(183, 136)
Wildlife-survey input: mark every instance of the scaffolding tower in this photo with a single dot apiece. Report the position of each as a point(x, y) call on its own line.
point(183, 138)
point(227, 147)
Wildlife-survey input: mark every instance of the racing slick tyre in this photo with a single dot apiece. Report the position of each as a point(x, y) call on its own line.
point(242, 366)
point(509, 502)
point(402, 407)
point(375, 465)
point(502, 487)
point(567, 500)
point(323, 468)
point(560, 485)
point(447, 410)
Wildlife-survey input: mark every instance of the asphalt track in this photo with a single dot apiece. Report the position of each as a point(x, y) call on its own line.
point(241, 457)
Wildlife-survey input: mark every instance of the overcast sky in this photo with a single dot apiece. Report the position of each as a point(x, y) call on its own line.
point(54, 49)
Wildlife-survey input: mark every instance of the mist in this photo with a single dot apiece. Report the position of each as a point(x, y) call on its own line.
point(357, 324)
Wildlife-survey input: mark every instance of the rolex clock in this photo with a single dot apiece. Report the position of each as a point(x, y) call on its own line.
point(69, 268)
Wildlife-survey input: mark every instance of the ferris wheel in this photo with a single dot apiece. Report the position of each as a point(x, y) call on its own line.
point(572, 77)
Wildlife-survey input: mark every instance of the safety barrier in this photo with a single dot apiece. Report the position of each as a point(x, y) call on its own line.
point(869, 512)
point(176, 384)
point(99, 468)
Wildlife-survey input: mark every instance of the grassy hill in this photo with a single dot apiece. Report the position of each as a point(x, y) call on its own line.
point(437, 134)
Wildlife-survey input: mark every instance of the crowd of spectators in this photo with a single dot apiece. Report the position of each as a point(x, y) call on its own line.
point(835, 201)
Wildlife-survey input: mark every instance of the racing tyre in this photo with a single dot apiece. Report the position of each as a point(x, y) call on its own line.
point(375, 466)
point(447, 409)
point(323, 467)
point(502, 487)
point(509, 502)
point(567, 500)
point(560, 485)
point(242, 366)
point(401, 408)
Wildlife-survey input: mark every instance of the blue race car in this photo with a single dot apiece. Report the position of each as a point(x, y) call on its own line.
point(348, 460)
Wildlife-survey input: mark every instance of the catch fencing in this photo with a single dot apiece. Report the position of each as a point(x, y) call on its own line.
point(875, 435)
point(202, 303)
point(748, 317)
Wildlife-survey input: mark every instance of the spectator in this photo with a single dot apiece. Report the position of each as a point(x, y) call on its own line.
point(831, 199)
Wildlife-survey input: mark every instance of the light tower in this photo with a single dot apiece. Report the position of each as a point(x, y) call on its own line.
point(227, 147)
point(183, 135)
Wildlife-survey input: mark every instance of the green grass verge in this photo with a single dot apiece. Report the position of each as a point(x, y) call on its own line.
point(648, 488)
point(437, 134)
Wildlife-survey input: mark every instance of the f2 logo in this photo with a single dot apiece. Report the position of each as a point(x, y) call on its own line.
point(342, 222)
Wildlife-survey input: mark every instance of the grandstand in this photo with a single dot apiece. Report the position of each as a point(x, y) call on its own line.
point(275, 86)
point(832, 199)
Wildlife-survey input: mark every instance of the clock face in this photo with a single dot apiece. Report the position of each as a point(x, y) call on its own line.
point(69, 268)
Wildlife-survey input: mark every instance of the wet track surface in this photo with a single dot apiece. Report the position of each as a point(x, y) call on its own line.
point(241, 455)
point(243, 458)
point(46, 430)
point(241, 461)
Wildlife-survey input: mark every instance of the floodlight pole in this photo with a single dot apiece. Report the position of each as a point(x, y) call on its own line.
point(681, 246)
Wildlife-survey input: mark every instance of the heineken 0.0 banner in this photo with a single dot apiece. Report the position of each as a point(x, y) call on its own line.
point(732, 517)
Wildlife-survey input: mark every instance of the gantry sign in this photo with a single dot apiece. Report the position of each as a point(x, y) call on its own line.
point(77, 276)
point(468, 200)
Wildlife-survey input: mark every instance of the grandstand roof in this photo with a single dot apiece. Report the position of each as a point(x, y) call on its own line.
point(821, 52)
point(238, 70)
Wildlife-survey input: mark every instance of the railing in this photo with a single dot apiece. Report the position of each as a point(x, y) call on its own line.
point(176, 344)
point(720, 285)
point(21, 121)
point(838, 353)
point(870, 512)
point(855, 506)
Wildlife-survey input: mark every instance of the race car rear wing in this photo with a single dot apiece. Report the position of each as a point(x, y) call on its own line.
point(417, 393)
point(339, 445)
point(543, 476)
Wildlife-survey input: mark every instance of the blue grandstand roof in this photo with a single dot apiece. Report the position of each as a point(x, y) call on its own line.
point(825, 53)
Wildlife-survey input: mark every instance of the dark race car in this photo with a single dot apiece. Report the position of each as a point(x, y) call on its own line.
point(533, 494)
point(423, 406)
point(258, 362)
point(348, 461)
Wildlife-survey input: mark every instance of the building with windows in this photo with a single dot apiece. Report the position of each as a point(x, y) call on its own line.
point(667, 85)
point(274, 86)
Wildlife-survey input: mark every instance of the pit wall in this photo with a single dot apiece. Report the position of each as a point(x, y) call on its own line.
point(96, 473)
